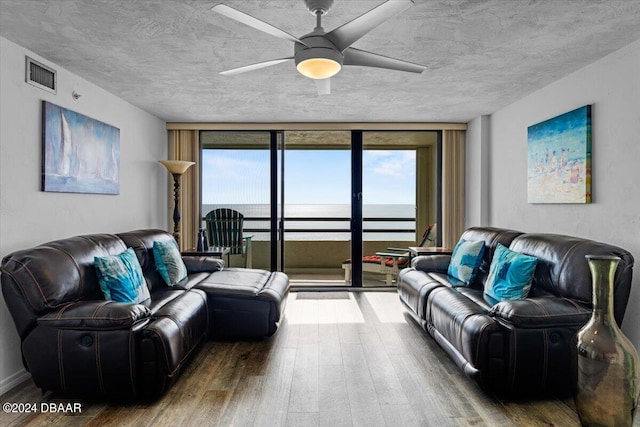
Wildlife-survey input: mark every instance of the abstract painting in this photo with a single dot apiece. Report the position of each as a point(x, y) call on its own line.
point(559, 158)
point(80, 154)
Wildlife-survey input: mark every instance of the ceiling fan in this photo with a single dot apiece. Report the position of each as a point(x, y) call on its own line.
point(320, 55)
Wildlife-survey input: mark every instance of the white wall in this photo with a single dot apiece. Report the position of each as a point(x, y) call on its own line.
point(612, 86)
point(29, 216)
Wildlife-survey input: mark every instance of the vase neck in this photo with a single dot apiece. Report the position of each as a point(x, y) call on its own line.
point(603, 269)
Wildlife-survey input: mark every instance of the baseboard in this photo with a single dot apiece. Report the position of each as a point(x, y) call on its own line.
point(13, 380)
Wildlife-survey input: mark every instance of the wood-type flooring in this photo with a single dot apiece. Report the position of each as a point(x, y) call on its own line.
point(355, 361)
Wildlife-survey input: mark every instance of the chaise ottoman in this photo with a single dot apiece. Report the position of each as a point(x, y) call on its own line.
point(242, 302)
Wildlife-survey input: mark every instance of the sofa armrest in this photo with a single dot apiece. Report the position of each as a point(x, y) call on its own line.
point(431, 263)
point(202, 264)
point(97, 316)
point(541, 312)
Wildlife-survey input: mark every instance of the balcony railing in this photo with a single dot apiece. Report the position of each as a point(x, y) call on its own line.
point(330, 230)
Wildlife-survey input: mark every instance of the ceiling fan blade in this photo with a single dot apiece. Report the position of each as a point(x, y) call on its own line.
point(323, 86)
point(249, 20)
point(353, 56)
point(255, 66)
point(345, 35)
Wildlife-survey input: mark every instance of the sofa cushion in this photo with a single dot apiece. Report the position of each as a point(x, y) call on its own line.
point(120, 277)
point(562, 267)
point(415, 286)
point(177, 327)
point(477, 296)
point(169, 262)
point(56, 273)
point(162, 297)
point(463, 328)
point(465, 260)
point(510, 275)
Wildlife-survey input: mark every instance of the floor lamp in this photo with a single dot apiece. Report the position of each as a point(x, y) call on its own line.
point(176, 168)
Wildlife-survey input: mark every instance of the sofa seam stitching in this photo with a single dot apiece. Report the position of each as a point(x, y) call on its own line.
point(99, 363)
point(60, 361)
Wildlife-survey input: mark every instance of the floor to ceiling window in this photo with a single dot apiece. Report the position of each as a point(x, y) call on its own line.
point(315, 196)
point(236, 174)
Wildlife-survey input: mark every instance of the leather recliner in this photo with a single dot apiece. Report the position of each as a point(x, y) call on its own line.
point(75, 342)
point(522, 347)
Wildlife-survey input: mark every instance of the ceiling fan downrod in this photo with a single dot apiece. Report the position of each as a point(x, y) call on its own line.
point(317, 7)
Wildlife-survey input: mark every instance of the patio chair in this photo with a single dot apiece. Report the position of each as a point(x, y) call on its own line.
point(389, 263)
point(224, 229)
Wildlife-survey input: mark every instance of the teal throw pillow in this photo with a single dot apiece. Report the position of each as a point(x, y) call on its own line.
point(465, 260)
point(169, 261)
point(120, 277)
point(510, 275)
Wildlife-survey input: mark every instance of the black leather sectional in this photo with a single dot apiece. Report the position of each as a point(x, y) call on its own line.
point(522, 347)
point(75, 342)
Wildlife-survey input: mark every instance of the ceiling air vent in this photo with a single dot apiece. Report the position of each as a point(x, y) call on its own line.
point(41, 76)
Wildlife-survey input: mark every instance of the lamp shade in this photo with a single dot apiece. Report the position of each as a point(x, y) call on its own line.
point(176, 167)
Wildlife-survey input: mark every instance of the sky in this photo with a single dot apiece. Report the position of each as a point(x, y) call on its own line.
point(311, 176)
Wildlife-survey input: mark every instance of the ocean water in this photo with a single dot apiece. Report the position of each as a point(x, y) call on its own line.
point(328, 211)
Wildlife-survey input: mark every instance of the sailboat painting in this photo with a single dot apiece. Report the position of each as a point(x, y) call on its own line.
point(80, 154)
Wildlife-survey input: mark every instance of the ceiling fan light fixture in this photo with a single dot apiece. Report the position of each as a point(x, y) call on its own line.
point(318, 62)
point(319, 68)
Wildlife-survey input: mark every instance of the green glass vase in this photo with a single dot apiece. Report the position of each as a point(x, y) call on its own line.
point(607, 392)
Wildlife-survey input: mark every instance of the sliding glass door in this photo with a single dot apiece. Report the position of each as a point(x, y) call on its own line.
point(398, 171)
point(317, 206)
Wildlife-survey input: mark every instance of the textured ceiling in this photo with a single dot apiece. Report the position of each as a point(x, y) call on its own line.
point(164, 56)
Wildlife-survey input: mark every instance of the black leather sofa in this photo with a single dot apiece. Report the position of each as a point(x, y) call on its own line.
point(75, 342)
point(514, 348)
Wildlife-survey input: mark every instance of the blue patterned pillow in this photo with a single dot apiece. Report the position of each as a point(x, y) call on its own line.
point(169, 261)
point(465, 260)
point(510, 275)
point(120, 277)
